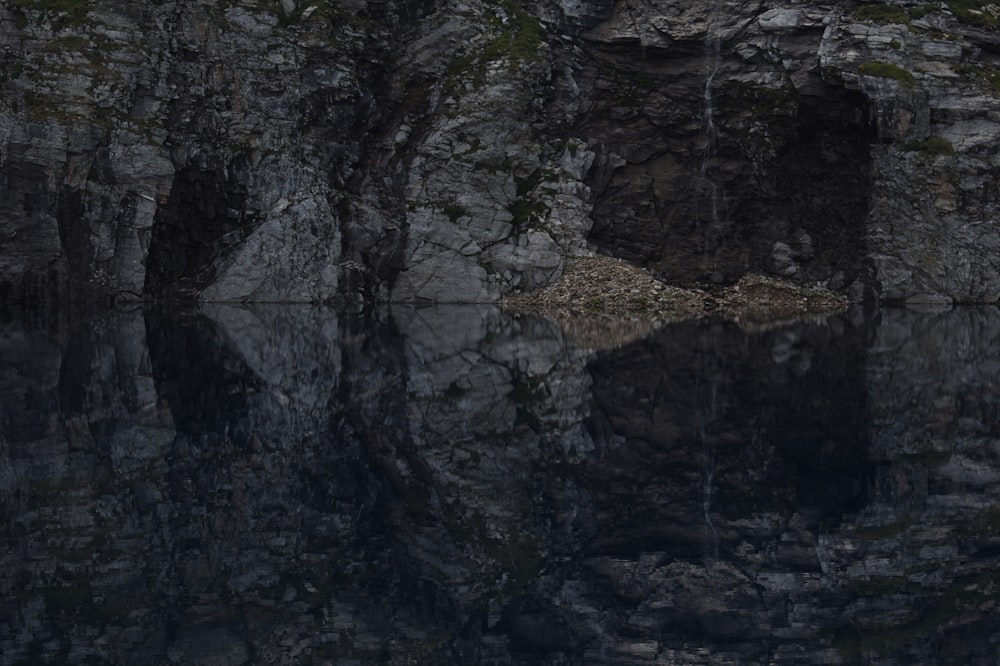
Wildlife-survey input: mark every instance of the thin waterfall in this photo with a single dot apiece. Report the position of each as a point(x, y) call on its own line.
point(708, 190)
point(709, 133)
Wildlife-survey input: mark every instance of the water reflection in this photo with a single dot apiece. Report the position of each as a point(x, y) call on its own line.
point(454, 485)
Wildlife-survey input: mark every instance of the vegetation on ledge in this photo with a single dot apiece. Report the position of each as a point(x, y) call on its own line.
point(980, 13)
point(932, 145)
point(882, 14)
point(983, 74)
point(888, 70)
point(518, 37)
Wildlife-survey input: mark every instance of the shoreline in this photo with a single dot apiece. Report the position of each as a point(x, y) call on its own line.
point(608, 299)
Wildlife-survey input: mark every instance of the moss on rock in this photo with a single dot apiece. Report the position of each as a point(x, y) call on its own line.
point(888, 70)
point(932, 145)
point(980, 13)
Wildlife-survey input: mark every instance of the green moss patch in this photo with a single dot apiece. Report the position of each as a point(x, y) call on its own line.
point(887, 70)
point(881, 14)
point(932, 145)
point(979, 13)
point(318, 12)
point(528, 213)
point(520, 35)
point(984, 75)
point(520, 41)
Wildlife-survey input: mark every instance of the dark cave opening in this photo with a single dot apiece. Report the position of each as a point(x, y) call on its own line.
point(806, 220)
point(204, 216)
point(782, 190)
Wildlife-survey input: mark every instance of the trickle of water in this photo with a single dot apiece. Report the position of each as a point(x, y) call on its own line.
point(708, 483)
point(712, 62)
point(708, 190)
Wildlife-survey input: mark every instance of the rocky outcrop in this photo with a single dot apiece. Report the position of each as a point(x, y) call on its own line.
point(187, 149)
point(460, 150)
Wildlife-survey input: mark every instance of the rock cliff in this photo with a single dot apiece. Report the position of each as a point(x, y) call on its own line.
point(457, 150)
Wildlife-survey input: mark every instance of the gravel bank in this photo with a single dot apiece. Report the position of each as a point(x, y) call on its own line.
point(603, 301)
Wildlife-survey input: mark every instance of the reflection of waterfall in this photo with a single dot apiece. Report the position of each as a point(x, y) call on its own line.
point(705, 417)
point(707, 483)
point(708, 479)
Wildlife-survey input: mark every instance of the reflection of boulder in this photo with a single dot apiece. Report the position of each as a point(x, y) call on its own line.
point(295, 351)
point(489, 399)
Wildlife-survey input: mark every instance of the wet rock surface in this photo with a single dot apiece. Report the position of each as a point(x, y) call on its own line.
point(455, 485)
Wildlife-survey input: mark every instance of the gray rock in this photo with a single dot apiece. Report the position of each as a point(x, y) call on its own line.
point(256, 153)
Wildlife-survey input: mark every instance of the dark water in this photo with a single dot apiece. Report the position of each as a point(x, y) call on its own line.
point(289, 485)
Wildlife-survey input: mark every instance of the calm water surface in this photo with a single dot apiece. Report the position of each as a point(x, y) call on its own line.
point(457, 486)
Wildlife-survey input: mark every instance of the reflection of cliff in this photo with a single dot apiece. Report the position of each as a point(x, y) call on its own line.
point(851, 512)
point(453, 485)
point(85, 437)
point(269, 483)
point(720, 456)
point(928, 538)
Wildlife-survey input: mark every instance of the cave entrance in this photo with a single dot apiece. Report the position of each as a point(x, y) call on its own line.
point(806, 219)
point(784, 191)
point(204, 216)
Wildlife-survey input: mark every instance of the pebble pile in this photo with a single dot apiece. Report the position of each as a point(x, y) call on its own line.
point(608, 287)
point(608, 291)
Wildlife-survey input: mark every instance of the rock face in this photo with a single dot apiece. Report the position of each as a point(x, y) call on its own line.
point(459, 150)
